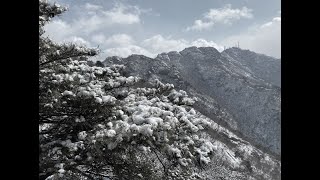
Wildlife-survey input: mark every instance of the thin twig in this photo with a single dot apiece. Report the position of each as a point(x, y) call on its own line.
point(164, 167)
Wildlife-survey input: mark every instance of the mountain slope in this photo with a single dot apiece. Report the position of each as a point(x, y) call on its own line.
point(231, 93)
point(238, 89)
point(264, 67)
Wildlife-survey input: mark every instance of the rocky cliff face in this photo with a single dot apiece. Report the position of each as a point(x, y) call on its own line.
point(238, 89)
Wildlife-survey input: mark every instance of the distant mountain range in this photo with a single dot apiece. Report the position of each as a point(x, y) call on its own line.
point(238, 89)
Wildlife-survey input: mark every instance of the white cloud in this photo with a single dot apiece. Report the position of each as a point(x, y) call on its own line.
point(96, 19)
point(78, 40)
point(98, 38)
point(124, 45)
point(90, 20)
point(92, 7)
point(265, 38)
point(158, 44)
point(119, 40)
point(62, 32)
point(58, 30)
point(123, 14)
point(224, 15)
point(275, 21)
point(115, 40)
point(204, 43)
point(89, 29)
point(127, 51)
point(99, 19)
point(121, 45)
point(199, 25)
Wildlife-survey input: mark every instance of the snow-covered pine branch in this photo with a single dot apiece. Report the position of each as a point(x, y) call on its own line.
point(94, 123)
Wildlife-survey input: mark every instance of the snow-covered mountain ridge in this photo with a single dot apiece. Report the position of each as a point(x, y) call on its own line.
point(239, 90)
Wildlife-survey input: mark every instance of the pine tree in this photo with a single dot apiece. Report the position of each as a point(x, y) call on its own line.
point(95, 123)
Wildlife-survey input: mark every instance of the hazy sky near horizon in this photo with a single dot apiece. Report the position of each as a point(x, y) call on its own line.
point(150, 27)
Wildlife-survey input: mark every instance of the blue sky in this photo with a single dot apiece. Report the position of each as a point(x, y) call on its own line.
point(150, 27)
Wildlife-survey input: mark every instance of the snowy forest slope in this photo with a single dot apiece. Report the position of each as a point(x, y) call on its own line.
point(239, 89)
